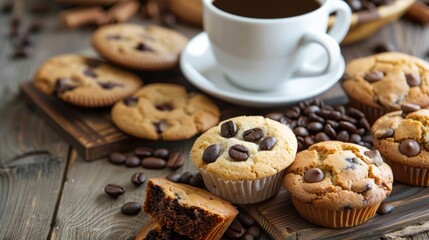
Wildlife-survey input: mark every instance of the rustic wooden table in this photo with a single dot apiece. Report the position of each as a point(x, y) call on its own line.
point(48, 192)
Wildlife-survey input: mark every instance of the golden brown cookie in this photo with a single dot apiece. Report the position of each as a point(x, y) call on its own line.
point(402, 138)
point(380, 83)
point(190, 11)
point(337, 184)
point(165, 111)
point(85, 81)
point(140, 47)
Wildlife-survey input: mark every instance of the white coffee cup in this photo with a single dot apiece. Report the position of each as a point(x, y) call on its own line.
point(259, 54)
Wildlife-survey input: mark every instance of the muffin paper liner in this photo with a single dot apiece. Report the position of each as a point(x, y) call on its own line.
point(409, 175)
point(245, 191)
point(334, 219)
point(371, 113)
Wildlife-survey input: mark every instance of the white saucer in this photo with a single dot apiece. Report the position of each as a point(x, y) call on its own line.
point(200, 68)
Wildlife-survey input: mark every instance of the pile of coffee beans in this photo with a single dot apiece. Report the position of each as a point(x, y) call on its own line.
point(366, 5)
point(243, 227)
point(187, 178)
point(150, 159)
point(314, 121)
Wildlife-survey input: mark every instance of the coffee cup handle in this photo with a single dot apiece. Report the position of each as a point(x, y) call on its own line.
point(331, 47)
point(343, 19)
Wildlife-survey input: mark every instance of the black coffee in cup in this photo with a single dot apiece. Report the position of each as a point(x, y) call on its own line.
point(267, 8)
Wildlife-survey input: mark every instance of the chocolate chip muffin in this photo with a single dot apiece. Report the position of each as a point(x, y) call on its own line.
point(380, 83)
point(242, 159)
point(336, 184)
point(402, 138)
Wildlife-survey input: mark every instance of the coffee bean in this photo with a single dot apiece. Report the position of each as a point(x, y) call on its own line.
point(247, 236)
point(239, 152)
point(267, 144)
point(255, 231)
point(303, 121)
point(321, 137)
point(131, 101)
point(175, 160)
point(138, 178)
point(385, 208)
point(293, 114)
point(311, 109)
point(143, 152)
point(348, 119)
point(315, 127)
point(186, 177)
point(235, 230)
point(313, 117)
point(347, 126)
point(15, 21)
point(253, 135)
point(132, 161)
point(360, 131)
point(228, 129)
point(343, 136)
point(384, 133)
point(308, 141)
point(328, 114)
point(143, 47)
point(409, 148)
point(197, 182)
point(246, 220)
point(160, 126)
point(21, 52)
point(301, 131)
point(341, 109)
point(365, 124)
point(6, 6)
point(153, 163)
point(131, 208)
point(276, 116)
point(375, 157)
point(355, 5)
point(333, 123)
point(383, 47)
point(330, 131)
point(117, 158)
point(409, 108)
point(314, 175)
point(211, 153)
point(413, 79)
point(90, 72)
point(356, 113)
point(114, 190)
point(374, 76)
point(300, 146)
point(161, 153)
point(173, 177)
point(355, 138)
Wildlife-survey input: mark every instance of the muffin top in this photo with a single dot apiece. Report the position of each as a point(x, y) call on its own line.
point(245, 148)
point(403, 136)
point(387, 80)
point(339, 176)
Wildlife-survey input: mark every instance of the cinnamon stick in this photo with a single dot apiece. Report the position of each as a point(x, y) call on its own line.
point(81, 16)
point(122, 11)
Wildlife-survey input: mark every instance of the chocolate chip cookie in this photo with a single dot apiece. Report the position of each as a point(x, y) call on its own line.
point(190, 11)
point(140, 47)
point(336, 184)
point(85, 81)
point(165, 111)
point(381, 83)
point(402, 138)
point(243, 158)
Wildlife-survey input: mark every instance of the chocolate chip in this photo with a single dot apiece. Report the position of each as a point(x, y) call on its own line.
point(385, 208)
point(131, 208)
point(211, 153)
point(301, 131)
point(153, 163)
point(117, 158)
point(186, 177)
point(314, 175)
point(108, 85)
point(235, 230)
point(375, 156)
point(228, 129)
point(132, 161)
point(321, 137)
point(164, 107)
point(64, 85)
point(253, 135)
point(413, 79)
point(315, 127)
point(409, 108)
point(138, 178)
point(90, 72)
point(160, 126)
point(409, 148)
point(114, 190)
point(374, 76)
point(255, 231)
point(173, 177)
point(131, 101)
point(384, 133)
point(161, 153)
point(246, 219)
point(267, 144)
point(175, 160)
point(239, 152)
point(143, 47)
point(383, 47)
point(143, 152)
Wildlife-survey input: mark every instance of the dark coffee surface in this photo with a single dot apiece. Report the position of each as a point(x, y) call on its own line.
point(267, 8)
